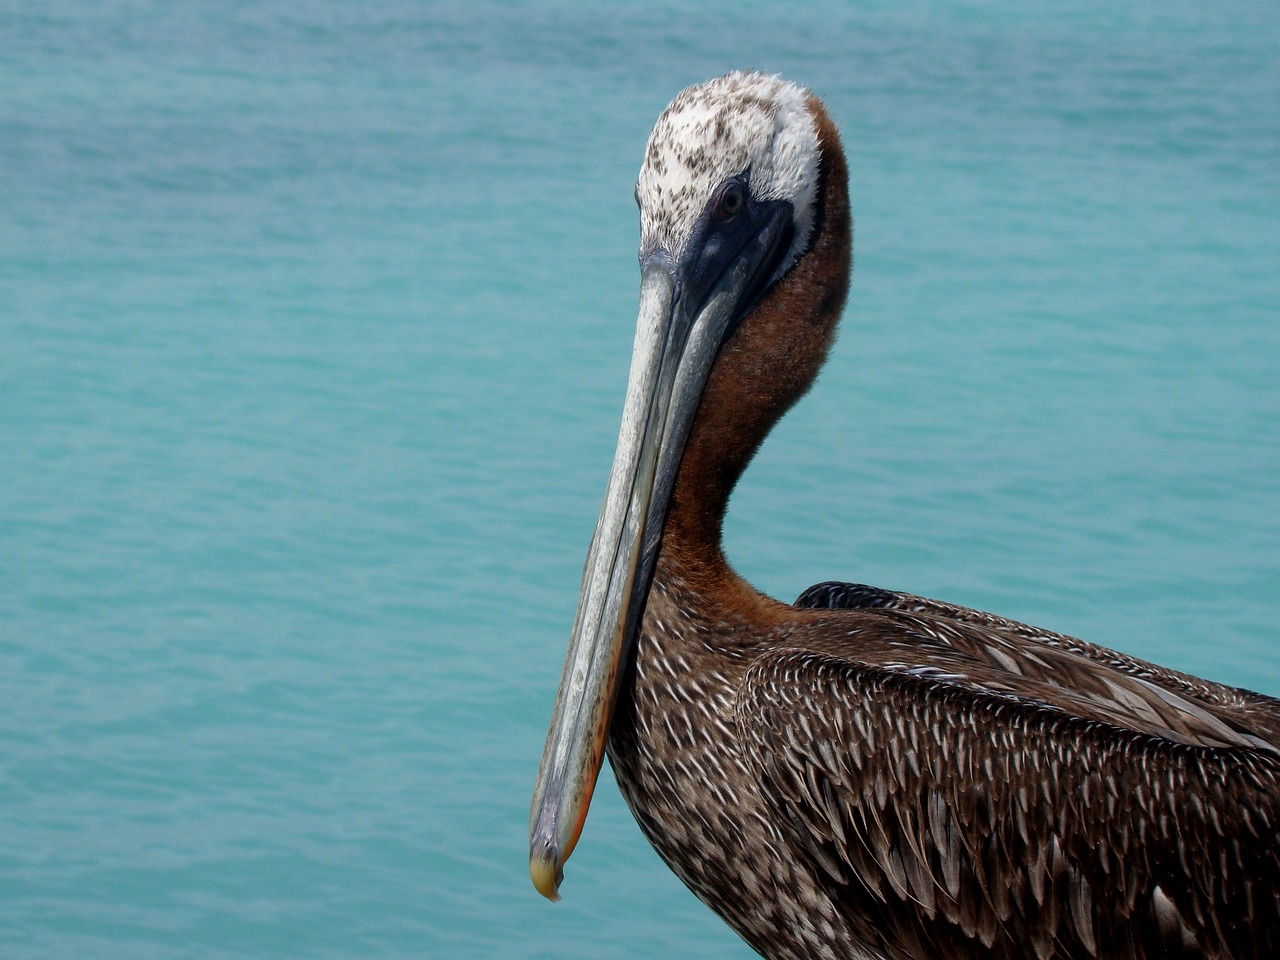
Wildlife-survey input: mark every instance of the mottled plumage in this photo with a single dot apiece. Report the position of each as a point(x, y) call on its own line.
point(864, 773)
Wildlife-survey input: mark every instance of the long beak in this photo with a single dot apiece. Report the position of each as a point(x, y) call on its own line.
point(677, 338)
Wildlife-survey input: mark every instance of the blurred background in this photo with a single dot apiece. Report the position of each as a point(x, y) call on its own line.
point(315, 320)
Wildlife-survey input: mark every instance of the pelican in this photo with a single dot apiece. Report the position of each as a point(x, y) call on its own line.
point(862, 773)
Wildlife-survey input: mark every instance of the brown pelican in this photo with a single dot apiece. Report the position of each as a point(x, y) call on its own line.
point(863, 773)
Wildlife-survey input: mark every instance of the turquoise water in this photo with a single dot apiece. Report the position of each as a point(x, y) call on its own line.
point(314, 324)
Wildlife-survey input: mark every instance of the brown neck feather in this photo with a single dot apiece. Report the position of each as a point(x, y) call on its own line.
point(769, 363)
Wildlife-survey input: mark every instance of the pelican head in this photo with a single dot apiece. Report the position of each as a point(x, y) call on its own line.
point(727, 197)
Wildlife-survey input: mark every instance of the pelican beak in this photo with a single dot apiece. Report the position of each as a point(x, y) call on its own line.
point(687, 311)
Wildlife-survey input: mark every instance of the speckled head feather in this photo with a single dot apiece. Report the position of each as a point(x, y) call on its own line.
point(723, 128)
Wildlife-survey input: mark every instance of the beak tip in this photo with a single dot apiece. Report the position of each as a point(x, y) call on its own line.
point(545, 871)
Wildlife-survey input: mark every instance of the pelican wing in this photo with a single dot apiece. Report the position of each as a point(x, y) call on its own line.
point(954, 809)
point(1254, 712)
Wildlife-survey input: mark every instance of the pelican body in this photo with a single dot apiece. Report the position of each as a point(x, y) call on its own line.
point(863, 773)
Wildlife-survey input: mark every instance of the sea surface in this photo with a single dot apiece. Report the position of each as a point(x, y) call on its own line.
point(315, 318)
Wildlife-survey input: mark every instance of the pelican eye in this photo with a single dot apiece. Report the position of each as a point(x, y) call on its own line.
point(730, 200)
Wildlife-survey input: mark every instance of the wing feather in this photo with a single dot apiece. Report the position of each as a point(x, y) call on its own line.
point(949, 819)
point(1245, 708)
